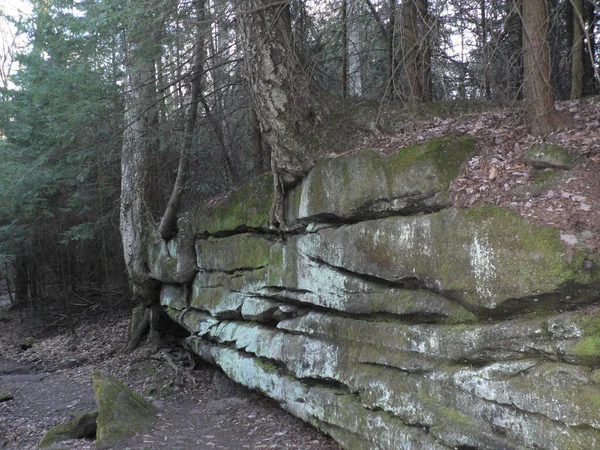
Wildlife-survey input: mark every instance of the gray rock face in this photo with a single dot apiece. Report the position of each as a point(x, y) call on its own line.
point(393, 321)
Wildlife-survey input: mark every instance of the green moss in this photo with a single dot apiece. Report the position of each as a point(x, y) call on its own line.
point(448, 155)
point(292, 203)
point(147, 370)
point(449, 415)
point(545, 176)
point(249, 206)
point(265, 365)
point(121, 412)
point(549, 155)
point(508, 231)
point(82, 426)
point(28, 342)
point(5, 396)
point(238, 252)
point(589, 346)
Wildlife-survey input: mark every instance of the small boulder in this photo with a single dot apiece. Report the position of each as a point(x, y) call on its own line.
point(27, 343)
point(121, 412)
point(542, 156)
point(82, 426)
point(5, 396)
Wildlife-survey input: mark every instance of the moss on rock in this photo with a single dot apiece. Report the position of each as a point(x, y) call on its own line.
point(368, 184)
point(238, 252)
point(5, 396)
point(248, 207)
point(487, 258)
point(82, 426)
point(121, 412)
point(550, 155)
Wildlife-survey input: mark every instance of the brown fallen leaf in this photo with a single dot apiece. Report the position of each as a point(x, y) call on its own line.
point(493, 173)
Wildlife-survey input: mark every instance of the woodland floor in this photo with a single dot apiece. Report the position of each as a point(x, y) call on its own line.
point(200, 410)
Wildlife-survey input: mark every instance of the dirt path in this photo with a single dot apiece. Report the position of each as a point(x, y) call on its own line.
point(51, 381)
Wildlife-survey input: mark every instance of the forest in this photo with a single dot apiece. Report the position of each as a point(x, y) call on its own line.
point(118, 116)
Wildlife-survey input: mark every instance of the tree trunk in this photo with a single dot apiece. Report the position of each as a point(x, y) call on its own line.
point(484, 52)
point(387, 33)
point(392, 64)
point(139, 144)
point(258, 156)
point(536, 60)
point(215, 112)
point(410, 51)
point(21, 281)
point(427, 36)
point(577, 54)
point(285, 97)
point(355, 39)
point(344, 48)
point(591, 72)
point(167, 225)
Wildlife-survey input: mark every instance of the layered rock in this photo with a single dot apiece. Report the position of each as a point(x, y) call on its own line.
point(389, 319)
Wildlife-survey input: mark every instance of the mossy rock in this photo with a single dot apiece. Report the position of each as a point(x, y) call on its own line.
point(545, 155)
point(172, 296)
point(162, 260)
point(487, 258)
point(27, 343)
point(121, 412)
point(82, 426)
point(239, 252)
point(367, 184)
point(5, 396)
point(248, 207)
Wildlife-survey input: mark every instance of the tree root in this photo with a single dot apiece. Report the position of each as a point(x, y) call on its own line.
point(180, 361)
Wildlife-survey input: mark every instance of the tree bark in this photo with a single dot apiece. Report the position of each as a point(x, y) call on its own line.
point(392, 64)
point(539, 96)
point(258, 154)
point(284, 96)
point(484, 51)
point(21, 281)
point(410, 51)
point(344, 48)
point(355, 43)
point(139, 143)
point(577, 53)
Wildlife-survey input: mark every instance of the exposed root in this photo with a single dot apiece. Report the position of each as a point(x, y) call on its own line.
point(180, 361)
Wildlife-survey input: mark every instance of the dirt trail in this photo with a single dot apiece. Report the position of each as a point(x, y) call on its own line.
point(51, 381)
